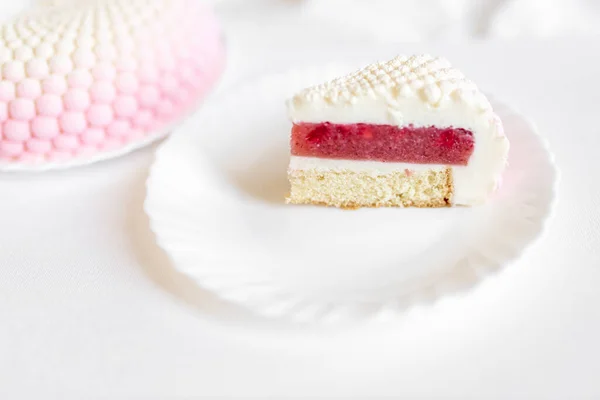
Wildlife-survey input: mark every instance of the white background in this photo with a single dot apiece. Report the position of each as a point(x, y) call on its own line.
point(89, 305)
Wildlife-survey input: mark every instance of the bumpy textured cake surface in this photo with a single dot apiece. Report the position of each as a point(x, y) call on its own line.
point(397, 77)
point(81, 77)
point(408, 111)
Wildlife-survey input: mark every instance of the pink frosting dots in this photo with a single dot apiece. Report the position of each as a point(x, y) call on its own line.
point(7, 91)
point(3, 112)
point(119, 128)
point(77, 100)
point(148, 73)
point(39, 146)
point(103, 92)
point(149, 96)
point(80, 78)
point(126, 106)
point(73, 122)
point(29, 88)
point(59, 156)
point(22, 109)
point(100, 115)
point(64, 142)
point(61, 64)
point(93, 136)
point(45, 127)
point(17, 131)
point(166, 109)
point(127, 83)
point(70, 89)
point(144, 119)
point(9, 149)
point(111, 143)
point(104, 72)
point(30, 157)
point(54, 85)
point(49, 105)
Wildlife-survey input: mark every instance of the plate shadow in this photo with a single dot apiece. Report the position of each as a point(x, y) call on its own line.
point(265, 177)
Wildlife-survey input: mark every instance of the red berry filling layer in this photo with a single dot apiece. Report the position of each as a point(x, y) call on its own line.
point(423, 145)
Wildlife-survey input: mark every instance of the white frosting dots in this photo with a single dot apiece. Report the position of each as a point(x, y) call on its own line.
point(431, 78)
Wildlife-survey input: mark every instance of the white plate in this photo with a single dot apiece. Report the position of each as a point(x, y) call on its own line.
point(216, 204)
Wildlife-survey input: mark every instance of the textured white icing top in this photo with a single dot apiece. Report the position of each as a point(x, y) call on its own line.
point(420, 90)
point(380, 93)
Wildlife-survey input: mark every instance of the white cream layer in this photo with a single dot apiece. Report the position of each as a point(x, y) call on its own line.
point(462, 176)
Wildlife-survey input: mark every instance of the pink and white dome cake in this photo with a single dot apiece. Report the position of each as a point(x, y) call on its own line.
point(82, 80)
point(412, 131)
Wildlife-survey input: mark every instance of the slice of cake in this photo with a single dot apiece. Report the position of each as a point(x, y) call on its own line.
point(412, 131)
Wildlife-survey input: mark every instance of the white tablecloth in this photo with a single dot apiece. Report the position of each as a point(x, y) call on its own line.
point(90, 305)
